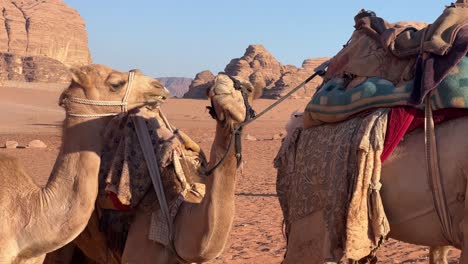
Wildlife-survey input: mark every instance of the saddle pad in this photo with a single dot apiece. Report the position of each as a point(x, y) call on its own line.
point(333, 102)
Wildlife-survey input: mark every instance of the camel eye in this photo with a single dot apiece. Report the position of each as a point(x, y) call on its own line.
point(117, 86)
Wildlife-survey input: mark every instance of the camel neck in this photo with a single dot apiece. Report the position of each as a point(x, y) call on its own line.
point(224, 176)
point(70, 194)
point(79, 158)
point(208, 223)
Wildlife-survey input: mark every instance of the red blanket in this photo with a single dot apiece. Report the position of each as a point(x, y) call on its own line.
point(403, 120)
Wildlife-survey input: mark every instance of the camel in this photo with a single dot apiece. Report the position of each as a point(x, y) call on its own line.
point(36, 220)
point(407, 198)
point(202, 227)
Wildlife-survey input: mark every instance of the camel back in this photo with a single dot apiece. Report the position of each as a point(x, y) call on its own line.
point(385, 65)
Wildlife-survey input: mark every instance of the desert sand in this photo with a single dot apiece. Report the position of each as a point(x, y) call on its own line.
point(29, 113)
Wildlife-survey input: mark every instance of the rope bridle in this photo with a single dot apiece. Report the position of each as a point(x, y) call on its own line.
point(123, 104)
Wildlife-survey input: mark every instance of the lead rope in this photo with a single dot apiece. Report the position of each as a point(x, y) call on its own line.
point(433, 173)
point(237, 132)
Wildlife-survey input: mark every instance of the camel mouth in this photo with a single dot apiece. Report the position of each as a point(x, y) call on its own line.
point(152, 101)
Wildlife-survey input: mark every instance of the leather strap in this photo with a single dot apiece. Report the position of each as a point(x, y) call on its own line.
point(433, 172)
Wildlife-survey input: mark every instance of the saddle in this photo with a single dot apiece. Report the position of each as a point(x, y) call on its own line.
point(389, 65)
point(124, 181)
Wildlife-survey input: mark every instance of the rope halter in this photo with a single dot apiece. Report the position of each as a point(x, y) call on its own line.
point(123, 104)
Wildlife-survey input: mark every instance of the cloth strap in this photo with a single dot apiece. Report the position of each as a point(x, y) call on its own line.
point(153, 169)
point(434, 175)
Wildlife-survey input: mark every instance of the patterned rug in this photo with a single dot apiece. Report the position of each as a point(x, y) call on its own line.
point(333, 102)
point(335, 169)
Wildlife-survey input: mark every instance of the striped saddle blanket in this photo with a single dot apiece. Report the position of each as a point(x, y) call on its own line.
point(333, 102)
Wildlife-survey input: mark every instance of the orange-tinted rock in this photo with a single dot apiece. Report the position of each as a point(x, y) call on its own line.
point(43, 27)
point(295, 76)
point(268, 76)
point(36, 144)
point(10, 144)
point(32, 69)
point(258, 66)
point(39, 38)
point(199, 86)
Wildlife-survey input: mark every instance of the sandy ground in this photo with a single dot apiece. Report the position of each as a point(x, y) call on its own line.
point(32, 113)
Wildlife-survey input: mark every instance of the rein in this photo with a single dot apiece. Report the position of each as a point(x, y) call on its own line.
point(123, 104)
point(250, 116)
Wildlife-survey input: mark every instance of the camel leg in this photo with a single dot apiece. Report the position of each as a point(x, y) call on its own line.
point(139, 249)
point(438, 255)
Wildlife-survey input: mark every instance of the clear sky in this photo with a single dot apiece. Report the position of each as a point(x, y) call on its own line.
point(178, 38)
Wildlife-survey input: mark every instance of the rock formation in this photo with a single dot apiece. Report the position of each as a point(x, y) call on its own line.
point(178, 86)
point(197, 89)
point(35, 35)
point(32, 69)
point(293, 76)
point(269, 77)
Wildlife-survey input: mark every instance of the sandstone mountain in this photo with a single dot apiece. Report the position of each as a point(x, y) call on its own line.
point(268, 76)
point(178, 86)
point(37, 36)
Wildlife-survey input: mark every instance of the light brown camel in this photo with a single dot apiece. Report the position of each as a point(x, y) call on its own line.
point(37, 220)
point(201, 228)
point(407, 198)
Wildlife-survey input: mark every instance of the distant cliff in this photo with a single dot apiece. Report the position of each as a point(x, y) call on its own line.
point(269, 77)
point(178, 86)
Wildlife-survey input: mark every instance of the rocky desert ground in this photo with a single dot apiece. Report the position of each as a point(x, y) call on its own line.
point(31, 112)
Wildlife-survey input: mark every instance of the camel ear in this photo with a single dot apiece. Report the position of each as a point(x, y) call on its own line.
point(136, 71)
point(79, 77)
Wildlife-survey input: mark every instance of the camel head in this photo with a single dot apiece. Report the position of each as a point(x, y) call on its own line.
point(98, 83)
point(230, 98)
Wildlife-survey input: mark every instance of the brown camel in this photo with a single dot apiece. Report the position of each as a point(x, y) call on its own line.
point(37, 220)
point(201, 227)
point(407, 198)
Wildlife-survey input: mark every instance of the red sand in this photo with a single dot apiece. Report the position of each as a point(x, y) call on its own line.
point(28, 114)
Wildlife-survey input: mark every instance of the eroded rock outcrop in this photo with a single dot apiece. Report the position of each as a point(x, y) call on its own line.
point(37, 34)
point(32, 69)
point(197, 89)
point(268, 76)
point(293, 76)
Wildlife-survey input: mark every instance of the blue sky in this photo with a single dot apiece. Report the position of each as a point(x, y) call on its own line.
point(182, 37)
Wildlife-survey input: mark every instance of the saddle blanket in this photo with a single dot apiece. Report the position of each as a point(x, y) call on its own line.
point(333, 102)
